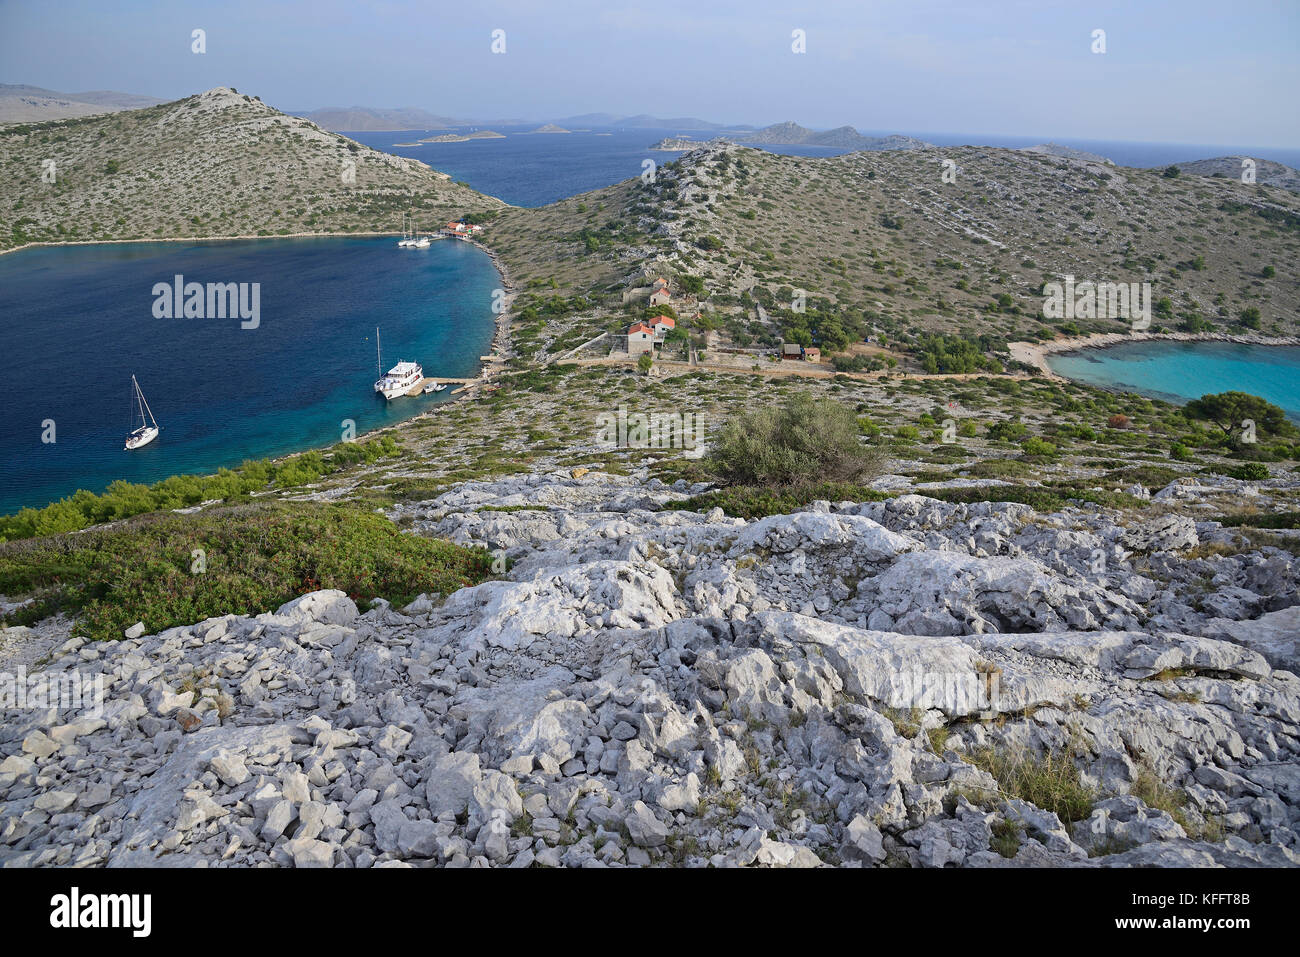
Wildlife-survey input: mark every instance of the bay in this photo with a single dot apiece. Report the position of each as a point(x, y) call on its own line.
point(79, 322)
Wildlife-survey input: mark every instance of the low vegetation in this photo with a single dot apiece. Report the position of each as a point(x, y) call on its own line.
point(125, 499)
point(1049, 781)
point(802, 441)
point(168, 570)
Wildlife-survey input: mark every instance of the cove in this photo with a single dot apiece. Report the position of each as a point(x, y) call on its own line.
point(1180, 371)
point(79, 321)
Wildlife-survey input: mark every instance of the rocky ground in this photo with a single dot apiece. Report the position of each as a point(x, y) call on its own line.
point(846, 685)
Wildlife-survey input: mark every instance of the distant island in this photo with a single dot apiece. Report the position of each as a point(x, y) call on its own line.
point(463, 137)
point(550, 128)
point(1068, 152)
point(678, 143)
point(792, 134)
point(21, 103)
point(365, 119)
point(842, 137)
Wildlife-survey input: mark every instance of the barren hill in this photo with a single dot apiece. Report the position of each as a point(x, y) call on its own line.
point(884, 234)
point(1267, 172)
point(219, 163)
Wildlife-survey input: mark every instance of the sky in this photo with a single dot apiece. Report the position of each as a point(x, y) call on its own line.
point(1177, 71)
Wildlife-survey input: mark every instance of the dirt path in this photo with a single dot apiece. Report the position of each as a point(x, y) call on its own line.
point(807, 370)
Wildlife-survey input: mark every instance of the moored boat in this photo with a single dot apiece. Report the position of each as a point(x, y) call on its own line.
point(148, 430)
point(400, 379)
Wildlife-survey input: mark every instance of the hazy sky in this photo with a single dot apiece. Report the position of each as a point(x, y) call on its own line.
point(1189, 71)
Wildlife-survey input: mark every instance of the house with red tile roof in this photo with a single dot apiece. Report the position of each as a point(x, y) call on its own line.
point(461, 230)
point(640, 338)
point(662, 325)
point(660, 296)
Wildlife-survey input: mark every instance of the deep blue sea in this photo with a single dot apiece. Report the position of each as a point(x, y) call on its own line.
point(1179, 371)
point(78, 321)
point(533, 169)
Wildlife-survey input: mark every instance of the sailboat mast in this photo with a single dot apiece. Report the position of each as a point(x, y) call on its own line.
point(379, 355)
point(142, 403)
point(145, 403)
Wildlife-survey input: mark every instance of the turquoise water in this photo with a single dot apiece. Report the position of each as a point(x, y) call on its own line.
point(78, 321)
point(1179, 371)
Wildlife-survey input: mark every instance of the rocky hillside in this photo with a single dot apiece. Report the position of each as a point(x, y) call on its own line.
point(884, 233)
point(217, 164)
point(885, 684)
point(1267, 172)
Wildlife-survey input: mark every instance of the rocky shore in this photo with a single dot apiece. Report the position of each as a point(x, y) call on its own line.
point(650, 686)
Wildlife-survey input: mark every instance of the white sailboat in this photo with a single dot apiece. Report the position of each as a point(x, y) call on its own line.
point(407, 238)
point(400, 379)
point(147, 430)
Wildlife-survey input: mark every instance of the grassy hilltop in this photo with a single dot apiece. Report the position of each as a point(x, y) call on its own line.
point(878, 239)
point(220, 163)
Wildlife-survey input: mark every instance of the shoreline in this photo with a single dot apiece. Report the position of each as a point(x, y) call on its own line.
point(193, 239)
point(1036, 353)
point(499, 351)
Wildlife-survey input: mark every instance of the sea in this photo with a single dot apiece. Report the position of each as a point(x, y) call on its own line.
point(79, 322)
point(533, 169)
point(1179, 371)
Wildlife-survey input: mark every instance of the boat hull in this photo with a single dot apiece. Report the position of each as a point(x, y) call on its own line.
point(140, 438)
point(390, 387)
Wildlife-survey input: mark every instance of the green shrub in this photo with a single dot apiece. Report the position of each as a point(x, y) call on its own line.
point(1007, 431)
point(803, 441)
point(1036, 446)
point(256, 557)
point(1249, 472)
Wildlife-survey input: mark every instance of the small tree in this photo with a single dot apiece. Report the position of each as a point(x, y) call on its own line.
point(1228, 410)
point(645, 362)
point(802, 442)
